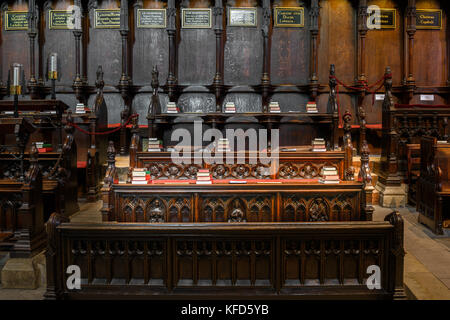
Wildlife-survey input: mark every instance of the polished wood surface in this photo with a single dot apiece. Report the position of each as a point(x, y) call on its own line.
point(222, 261)
point(433, 186)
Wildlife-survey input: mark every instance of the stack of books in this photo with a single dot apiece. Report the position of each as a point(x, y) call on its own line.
point(140, 176)
point(154, 145)
point(203, 176)
point(311, 107)
point(44, 147)
point(329, 175)
point(318, 145)
point(81, 109)
point(230, 107)
point(274, 107)
point(172, 107)
point(223, 145)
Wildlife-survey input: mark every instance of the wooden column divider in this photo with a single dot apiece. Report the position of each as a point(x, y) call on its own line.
point(218, 78)
point(314, 29)
point(172, 30)
point(265, 79)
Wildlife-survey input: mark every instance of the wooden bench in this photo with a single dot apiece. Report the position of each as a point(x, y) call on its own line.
point(226, 261)
point(433, 186)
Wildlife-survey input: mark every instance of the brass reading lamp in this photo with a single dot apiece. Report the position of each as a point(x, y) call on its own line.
point(16, 81)
point(53, 73)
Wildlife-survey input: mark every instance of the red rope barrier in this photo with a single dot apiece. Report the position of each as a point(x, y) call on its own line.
point(365, 87)
point(104, 132)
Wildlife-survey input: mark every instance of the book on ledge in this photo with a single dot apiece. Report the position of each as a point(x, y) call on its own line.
point(318, 145)
point(172, 108)
point(203, 177)
point(311, 107)
point(154, 145)
point(140, 176)
point(230, 107)
point(44, 147)
point(81, 109)
point(329, 175)
point(274, 107)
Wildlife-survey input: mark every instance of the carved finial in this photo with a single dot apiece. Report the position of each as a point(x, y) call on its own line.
point(365, 175)
point(135, 124)
point(155, 104)
point(34, 154)
point(347, 118)
point(111, 153)
point(388, 102)
point(155, 78)
point(99, 83)
point(69, 121)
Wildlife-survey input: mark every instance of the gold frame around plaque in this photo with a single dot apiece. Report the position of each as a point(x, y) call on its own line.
point(433, 27)
point(50, 26)
point(154, 26)
point(394, 26)
point(301, 9)
point(6, 21)
point(243, 9)
point(183, 10)
point(103, 27)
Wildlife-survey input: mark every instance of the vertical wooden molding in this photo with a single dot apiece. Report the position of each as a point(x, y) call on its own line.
point(349, 170)
point(410, 30)
point(314, 30)
point(397, 254)
point(389, 166)
point(218, 30)
point(362, 33)
point(362, 126)
point(155, 105)
point(33, 18)
point(124, 83)
point(3, 8)
point(364, 175)
point(171, 31)
point(124, 30)
point(78, 85)
point(265, 79)
point(332, 107)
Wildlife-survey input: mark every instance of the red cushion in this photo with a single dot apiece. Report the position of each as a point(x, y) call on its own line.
point(81, 164)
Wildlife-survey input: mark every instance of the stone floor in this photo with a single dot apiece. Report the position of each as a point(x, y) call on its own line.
point(427, 259)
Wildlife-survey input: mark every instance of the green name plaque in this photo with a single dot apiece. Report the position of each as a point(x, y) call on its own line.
point(151, 18)
point(16, 20)
point(428, 19)
point(289, 17)
point(60, 19)
point(107, 18)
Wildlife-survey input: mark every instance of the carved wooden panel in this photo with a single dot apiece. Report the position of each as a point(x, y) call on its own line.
point(430, 50)
point(239, 207)
point(290, 52)
point(14, 44)
point(272, 260)
point(61, 42)
point(196, 56)
point(104, 48)
point(243, 56)
point(150, 47)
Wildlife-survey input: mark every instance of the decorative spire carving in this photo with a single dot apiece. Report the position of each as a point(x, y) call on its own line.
point(349, 174)
point(365, 176)
point(155, 104)
point(332, 99)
